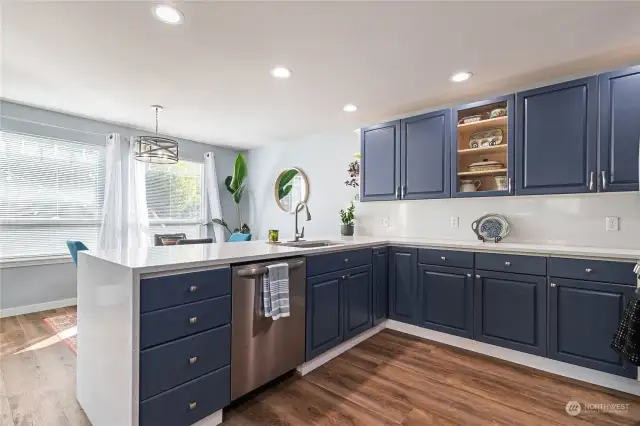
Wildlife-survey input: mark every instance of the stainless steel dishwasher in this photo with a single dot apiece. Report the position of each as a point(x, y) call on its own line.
point(261, 348)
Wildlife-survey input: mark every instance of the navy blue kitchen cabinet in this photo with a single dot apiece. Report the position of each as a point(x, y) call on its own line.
point(357, 289)
point(511, 311)
point(380, 171)
point(583, 318)
point(324, 313)
point(619, 130)
point(424, 153)
point(556, 140)
point(380, 284)
point(446, 299)
point(403, 286)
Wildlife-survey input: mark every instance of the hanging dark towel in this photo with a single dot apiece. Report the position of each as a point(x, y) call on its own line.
point(627, 339)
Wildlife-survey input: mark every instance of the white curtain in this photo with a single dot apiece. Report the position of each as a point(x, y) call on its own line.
point(125, 220)
point(213, 195)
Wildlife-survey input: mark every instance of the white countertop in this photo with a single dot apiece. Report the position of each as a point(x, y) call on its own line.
point(155, 259)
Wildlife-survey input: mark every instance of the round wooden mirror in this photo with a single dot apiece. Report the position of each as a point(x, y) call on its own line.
point(291, 187)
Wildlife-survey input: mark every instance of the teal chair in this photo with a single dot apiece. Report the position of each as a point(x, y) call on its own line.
point(237, 237)
point(74, 247)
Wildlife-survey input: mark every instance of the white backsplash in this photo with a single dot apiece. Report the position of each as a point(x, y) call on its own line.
point(558, 219)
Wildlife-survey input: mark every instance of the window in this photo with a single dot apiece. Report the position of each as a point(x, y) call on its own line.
point(174, 198)
point(50, 191)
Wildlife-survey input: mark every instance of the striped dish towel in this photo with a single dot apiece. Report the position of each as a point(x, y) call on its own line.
point(275, 291)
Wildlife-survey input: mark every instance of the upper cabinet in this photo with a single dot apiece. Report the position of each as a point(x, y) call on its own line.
point(482, 160)
point(406, 159)
point(619, 130)
point(380, 174)
point(556, 141)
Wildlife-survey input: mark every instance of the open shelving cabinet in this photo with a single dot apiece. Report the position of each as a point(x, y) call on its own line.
point(463, 154)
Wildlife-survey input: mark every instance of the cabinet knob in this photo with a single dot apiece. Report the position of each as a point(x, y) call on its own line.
point(588, 270)
point(193, 360)
point(443, 258)
point(346, 259)
point(193, 405)
point(193, 320)
point(193, 288)
point(507, 263)
point(468, 275)
point(478, 276)
point(552, 284)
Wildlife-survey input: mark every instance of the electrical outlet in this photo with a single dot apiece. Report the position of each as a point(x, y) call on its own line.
point(612, 223)
point(455, 221)
point(384, 221)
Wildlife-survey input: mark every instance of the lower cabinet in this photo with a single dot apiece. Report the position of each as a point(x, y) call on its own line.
point(446, 299)
point(403, 288)
point(338, 308)
point(583, 318)
point(380, 267)
point(511, 311)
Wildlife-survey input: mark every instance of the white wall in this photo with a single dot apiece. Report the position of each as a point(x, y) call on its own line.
point(558, 219)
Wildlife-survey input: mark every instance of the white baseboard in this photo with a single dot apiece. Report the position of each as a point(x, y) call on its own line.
point(39, 307)
point(309, 366)
point(583, 374)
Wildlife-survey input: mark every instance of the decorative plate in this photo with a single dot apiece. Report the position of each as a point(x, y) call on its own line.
point(498, 112)
point(470, 119)
point(485, 165)
point(486, 138)
point(491, 227)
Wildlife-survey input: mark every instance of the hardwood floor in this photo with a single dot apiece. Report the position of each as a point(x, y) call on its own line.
point(390, 379)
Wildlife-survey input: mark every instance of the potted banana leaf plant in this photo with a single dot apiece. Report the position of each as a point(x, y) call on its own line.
point(236, 186)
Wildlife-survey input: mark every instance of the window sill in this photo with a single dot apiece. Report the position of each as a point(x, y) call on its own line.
point(20, 262)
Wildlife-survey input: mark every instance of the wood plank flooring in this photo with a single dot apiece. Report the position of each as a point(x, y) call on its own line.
point(390, 379)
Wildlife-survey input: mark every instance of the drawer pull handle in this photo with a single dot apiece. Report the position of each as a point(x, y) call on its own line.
point(193, 360)
point(193, 320)
point(193, 288)
point(507, 263)
point(443, 258)
point(193, 405)
point(552, 284)
point(588, 270)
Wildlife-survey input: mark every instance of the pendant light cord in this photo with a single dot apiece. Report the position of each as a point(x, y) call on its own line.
point(156, 121)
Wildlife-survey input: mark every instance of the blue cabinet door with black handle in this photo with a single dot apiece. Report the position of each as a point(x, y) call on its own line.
point(324, 313)
point(583, 318)
point(556, 139)
point(511, 311)
point(425, 150)
point(380, 168)
point(356, 293)
point(446, 299)
point(403, 288)
point(619, 130)
point(380, 284)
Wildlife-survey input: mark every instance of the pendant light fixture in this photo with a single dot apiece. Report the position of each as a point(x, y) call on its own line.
point(156, 149)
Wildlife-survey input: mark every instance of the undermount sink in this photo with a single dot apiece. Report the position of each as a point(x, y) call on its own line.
point(310, 244)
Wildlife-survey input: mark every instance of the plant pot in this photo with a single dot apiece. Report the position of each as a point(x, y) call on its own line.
point(346, 230)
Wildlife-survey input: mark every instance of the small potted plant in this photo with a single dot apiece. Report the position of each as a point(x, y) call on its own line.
point(347, 220)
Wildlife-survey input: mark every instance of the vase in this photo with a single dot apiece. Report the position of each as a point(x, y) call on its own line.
point(346, 230)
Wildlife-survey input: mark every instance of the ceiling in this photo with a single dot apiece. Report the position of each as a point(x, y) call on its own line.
point(111, 60)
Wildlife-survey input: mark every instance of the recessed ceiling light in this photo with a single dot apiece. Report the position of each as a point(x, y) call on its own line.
point(460, 76)
point(350, 108)
point(167, 14)
point(281, 72)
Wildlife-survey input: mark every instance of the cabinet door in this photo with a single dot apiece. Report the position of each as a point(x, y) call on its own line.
point(380, 172)
point(380, 285)
point(324, 314)
point(446, 299)
point(403, 291)
point(619, 130)
point(425, 151)
point(511, 311)
point(356, 290)
point(583, 318)
point(556, 138)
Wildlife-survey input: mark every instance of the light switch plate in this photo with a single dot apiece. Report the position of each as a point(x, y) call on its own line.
point(455, 221)
point(612, 223)
point(384, 221)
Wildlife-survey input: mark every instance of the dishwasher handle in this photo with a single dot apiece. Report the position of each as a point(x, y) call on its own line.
point(259, 270)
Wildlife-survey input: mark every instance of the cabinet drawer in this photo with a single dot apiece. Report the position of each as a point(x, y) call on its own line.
point(173, 290)
point(459, 259)
point(177, 362)
point(531, 265)
point(188, 403)
point(593, 270)
point(331, 262)
point(173, 323)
